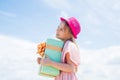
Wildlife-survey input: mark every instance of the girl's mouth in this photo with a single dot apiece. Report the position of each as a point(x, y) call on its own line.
point(57, 34)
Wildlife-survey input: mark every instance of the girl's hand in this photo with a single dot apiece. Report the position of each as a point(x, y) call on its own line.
point(46, 61)
point(38, 60)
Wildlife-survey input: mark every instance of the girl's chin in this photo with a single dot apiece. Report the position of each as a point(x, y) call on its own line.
point(58, 37)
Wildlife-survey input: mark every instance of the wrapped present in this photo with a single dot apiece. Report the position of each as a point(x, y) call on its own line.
point(53, 50)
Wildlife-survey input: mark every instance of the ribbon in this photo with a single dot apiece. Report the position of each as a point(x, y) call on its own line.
point(56, 48)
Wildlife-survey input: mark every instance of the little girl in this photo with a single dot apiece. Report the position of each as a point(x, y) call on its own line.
point(67, 31)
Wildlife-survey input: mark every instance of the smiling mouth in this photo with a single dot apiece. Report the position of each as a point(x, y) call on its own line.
point(57, 34)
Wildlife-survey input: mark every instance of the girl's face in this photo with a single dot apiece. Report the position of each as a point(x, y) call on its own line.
point(63, 32)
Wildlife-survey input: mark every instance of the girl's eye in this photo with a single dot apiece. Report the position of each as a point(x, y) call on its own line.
point(61, 29)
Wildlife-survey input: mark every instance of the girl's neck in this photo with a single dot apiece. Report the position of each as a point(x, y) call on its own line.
point(64, 40)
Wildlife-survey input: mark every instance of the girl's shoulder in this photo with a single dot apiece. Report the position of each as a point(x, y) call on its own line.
point(70, 44)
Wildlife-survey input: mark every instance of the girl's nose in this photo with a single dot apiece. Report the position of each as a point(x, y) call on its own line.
point(57, 30)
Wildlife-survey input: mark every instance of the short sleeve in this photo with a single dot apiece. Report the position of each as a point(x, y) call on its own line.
point(73, 51)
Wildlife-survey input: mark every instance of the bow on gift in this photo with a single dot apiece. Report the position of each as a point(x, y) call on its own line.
point(41, 49)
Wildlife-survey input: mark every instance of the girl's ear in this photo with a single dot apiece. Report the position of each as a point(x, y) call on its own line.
point(71, 36)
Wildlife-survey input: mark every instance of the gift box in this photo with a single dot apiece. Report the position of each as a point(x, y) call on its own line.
point(53, 51)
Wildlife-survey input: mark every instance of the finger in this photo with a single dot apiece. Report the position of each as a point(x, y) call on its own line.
point(38, 60)
point(42, 61)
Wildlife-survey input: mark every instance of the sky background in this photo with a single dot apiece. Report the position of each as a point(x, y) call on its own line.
point(35, 20)
point(25, 23)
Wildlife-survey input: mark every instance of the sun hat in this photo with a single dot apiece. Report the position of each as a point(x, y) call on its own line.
point(73, 24)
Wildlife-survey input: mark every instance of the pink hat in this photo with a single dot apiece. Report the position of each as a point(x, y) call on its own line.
point(74, 25)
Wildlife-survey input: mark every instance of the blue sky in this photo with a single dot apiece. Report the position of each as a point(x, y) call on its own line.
point(35, 20)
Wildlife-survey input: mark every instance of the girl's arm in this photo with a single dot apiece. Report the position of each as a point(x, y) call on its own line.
point(69, 66)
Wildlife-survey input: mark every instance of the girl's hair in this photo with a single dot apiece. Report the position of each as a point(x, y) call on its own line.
point(72, 38)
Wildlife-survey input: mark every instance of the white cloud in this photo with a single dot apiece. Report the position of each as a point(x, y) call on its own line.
point(100, 64)
point(8, 14)
point(18, 61)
